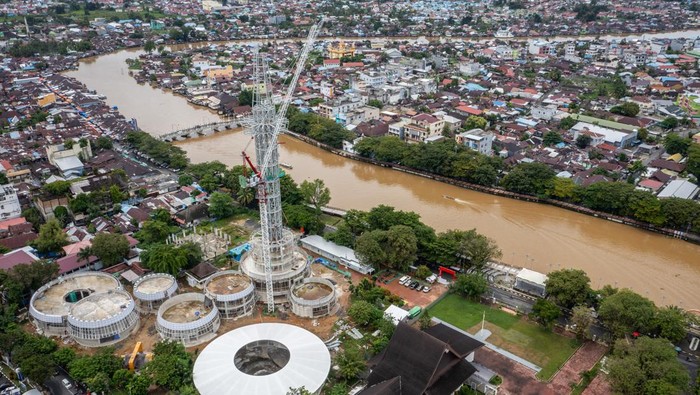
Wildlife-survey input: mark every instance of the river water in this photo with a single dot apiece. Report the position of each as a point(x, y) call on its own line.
point(539, 237)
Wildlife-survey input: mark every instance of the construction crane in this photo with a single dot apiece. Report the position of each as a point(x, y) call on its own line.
point(265, 124)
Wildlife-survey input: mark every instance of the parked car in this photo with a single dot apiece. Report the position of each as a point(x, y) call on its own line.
point(426, 289)
point(408, 282)
point(67, 384)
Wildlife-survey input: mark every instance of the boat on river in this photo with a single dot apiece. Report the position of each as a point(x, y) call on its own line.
point(286, 165)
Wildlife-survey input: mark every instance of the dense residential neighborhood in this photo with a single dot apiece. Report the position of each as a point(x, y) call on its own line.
point(127, 264)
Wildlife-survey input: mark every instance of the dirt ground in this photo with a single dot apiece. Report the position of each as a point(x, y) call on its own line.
point(517, 379)
point(410, 296)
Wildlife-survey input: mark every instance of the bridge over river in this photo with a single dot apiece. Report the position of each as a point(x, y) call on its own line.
point(206, 129)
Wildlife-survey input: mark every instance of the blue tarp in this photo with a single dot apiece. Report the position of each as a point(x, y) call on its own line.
point(475, 87)
point(237, 252)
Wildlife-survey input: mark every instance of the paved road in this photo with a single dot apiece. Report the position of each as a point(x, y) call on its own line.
point(56, 387)
point(513, 299)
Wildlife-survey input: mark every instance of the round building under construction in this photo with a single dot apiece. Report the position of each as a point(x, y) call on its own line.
point(289, 266)
point(232, 292)
point(102, 319)
point(189, 318)
point(51, 304)
point(152, 290)
point(313, 298)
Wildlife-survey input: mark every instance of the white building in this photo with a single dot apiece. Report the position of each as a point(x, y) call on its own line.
point(618, 138)
point(9, 203)
point(477, 140)
point(680, 188)
point(544, 112)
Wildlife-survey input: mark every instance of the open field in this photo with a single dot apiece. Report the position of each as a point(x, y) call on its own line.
point(515, 334)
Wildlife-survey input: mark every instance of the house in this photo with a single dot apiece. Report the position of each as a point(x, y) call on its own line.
point(343, 256)
point(618, 138)
point(198, 275)
point(680, 188)
point(22, 256)
point(10, 206)
point(423, 126)
point(434, 361)
point(476, 139)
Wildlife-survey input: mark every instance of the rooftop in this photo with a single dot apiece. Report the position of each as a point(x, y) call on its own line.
point(228, 284)
point(100, 306)
point(312, 291)
point(53, 301)
point(188, 311)
point(155, 284)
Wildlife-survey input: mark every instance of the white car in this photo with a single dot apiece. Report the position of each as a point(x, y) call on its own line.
point(67, 384)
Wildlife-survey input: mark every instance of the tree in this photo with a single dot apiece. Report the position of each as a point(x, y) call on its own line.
point(475, 122)
point(171, 366)
point(568, 287)
point(562, 188)
point(676, 144)
point(423, 272)
point(298, 391)
point(670, 323)
point(545, 312)
point(245, 98)
point(3, 179)
point(375, 103)
point(110, 248)
point(628, 109)
point(139, 385)
point(62, 215)
point(567, 123)
point(694, 160)
point(401, 247)
point(315, 193)
point(471, 285)
point(153, 231)
point(57, 188)
point(350, 363)
point(164, 258)
point(101, 365)
point(583, 140)
point(478, 249)
point(551, 138)
point(51, 237)
point(364, 313)
point(669, 123)
point(626, 312)
point(149, 46)
point(221, 205)
point(245, 196)
point(583, 319)
point(185, 180)
point(299, 216)
point(103, 142)
point(369, 248)
point(63, 356)
point(529, 178)
point(644, 366)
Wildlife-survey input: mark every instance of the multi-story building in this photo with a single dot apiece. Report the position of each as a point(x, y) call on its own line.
point(9, 203)
point(476, 139)
point(336, 109)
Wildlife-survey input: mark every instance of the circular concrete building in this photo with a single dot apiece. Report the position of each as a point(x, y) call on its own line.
point(232, 293)
point(314, 297)
point(50, 305)
point(152, 290)
point(190, 318)
point(102, 319)
point(262, 359)
point(289, 266)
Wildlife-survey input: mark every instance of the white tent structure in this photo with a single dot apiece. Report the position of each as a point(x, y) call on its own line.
point(262, 359)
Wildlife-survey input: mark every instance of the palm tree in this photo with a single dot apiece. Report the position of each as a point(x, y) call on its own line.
point(246, 196)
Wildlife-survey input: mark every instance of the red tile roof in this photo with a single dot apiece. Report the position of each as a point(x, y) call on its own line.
point(14, 258)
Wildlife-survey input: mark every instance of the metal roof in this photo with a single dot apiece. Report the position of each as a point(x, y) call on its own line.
point(308, 366)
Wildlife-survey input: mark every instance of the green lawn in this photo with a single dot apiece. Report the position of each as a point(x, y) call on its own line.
point(525, 339)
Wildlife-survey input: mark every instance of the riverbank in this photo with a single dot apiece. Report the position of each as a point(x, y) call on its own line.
point(694, 238)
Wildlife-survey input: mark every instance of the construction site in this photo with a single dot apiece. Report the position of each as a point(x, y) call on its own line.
point(152, 290)
point(189, 318)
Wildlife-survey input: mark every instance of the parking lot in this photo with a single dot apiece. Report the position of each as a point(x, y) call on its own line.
point(410, 296)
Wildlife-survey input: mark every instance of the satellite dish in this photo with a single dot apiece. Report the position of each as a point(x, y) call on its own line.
point(243, 182)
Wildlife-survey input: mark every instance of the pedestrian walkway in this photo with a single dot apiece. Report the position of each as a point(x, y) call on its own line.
point(495, 348)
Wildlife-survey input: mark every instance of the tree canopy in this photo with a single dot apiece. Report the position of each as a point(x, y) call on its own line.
point(568, 287)
point(110, 248)
point(646, 366)
point(51, 237)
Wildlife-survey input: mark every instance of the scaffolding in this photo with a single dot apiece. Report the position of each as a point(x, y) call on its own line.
point(152, 290)
point(232, 293)
point(189, 318)
point(50, 305)
point(103, 319)
point(313, 298)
